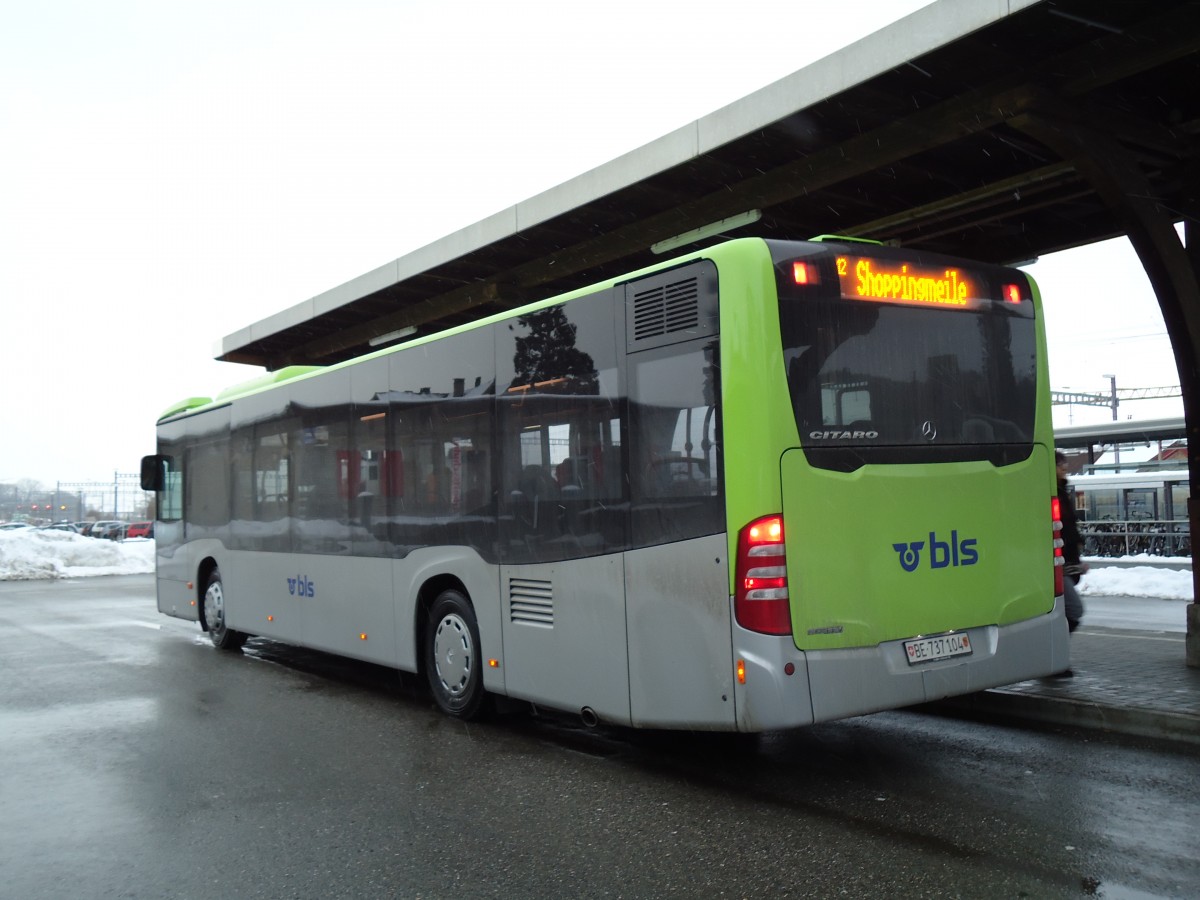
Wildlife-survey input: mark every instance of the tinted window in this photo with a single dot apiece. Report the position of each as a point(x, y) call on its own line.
point(370, 474)
point(207, 487)
point(318, 448)
point(170, 499)
point(561, 490)
point(437, 466)
point(869, 375)
point(262, 485)
point(195, 494)
point(675, 458)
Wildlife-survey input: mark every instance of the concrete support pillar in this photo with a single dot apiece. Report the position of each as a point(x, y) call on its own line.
point(1173, 266)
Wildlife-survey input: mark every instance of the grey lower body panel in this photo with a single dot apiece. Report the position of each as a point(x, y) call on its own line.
point(825, 685)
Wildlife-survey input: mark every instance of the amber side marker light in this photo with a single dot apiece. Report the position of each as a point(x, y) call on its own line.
point(741, 671)
point(362, 636)
point(493, 663)
point(270, 618)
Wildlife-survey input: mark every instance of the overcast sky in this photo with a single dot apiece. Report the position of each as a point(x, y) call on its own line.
point(171, 172)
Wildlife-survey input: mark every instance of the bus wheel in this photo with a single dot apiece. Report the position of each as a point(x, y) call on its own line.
point(223, 638)
point(452, 662)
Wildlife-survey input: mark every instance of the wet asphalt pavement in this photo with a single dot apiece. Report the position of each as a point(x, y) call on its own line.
point(138, 762)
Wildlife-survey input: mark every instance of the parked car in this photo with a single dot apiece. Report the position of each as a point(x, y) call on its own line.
point(140, 530)
point(16, 526)
point(111, 529)
point(60, 526)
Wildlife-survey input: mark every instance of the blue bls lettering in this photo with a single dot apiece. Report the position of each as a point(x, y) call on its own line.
point(942, 554)
point(300, 586)
point(910, 555)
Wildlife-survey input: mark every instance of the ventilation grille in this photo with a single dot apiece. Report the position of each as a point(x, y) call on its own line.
point(531, 602)
point(666, 309)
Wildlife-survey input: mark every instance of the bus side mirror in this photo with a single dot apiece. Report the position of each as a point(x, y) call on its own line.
point(153, 468)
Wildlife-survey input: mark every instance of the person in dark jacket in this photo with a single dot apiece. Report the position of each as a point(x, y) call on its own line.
point(1073, 566)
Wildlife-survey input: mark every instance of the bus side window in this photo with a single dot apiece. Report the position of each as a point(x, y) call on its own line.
point(558, 414)
point(675, 454)
point(206, 494)
point(170, 498)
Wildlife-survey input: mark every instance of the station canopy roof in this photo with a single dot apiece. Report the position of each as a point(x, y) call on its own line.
point(1124, 431)
point(934, 133)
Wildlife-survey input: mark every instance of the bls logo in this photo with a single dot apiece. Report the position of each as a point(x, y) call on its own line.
point(955, 552)
point(300, 586)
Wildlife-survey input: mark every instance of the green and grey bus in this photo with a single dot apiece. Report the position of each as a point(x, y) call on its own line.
point(762, 485)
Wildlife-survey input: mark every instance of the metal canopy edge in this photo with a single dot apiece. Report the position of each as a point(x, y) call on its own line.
point(939, 131)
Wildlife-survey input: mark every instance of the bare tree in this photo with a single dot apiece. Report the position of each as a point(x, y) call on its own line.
point(26, 488)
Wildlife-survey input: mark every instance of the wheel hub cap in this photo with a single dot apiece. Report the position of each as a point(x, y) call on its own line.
point(452, 654)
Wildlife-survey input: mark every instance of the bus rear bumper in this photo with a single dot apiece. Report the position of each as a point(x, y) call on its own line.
point(834, 684)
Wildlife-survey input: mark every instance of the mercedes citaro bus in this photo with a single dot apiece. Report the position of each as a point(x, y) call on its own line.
point(759, 486)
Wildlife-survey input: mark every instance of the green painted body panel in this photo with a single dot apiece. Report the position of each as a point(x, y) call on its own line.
point(756, 412)
point(840, 527)
point(984, 558)
point(254, 385)
point(265, 381)
point(184, 405)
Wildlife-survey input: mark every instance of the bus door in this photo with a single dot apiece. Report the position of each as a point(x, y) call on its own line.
point(562, 520)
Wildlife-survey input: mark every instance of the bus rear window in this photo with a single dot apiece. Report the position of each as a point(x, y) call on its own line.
point(882, 382)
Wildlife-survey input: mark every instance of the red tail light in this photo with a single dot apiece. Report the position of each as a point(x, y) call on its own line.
point(1056, 519)
point(760, 602)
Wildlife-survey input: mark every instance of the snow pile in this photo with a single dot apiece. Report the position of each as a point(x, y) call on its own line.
point(32, 555)
point(28, 555)
point(1136, 581)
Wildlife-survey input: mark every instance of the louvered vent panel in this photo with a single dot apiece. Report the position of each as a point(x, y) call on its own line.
point(665, 309)
point(531, 602)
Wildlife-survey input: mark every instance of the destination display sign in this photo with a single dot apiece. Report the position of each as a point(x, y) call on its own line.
point(895, 281)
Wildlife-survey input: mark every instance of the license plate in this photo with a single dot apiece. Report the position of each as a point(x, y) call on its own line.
point(931, 649)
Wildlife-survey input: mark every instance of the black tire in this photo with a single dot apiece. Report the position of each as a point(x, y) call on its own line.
point(223, 637)
point(453, 662)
